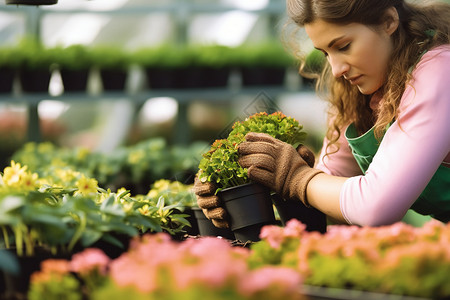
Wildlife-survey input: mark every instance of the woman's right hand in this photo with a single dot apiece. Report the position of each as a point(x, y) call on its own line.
point(210, 203)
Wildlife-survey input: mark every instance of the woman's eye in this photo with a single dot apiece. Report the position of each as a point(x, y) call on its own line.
point(345, 48)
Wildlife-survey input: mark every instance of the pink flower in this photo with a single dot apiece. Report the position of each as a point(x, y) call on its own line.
point(273, 235)
point(294, 228)
point(266, 278)
point(49, 268)
point(89, 260)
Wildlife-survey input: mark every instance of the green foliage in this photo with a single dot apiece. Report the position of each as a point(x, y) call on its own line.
point(269, 54)
point(220, 164)
point(74, 57)
point(314, 62)
point(55, 288)
point(140, 164)
point(110, 57)
point(164, 56)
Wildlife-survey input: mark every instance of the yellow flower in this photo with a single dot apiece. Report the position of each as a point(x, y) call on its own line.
point(86, 185)
point(67, 175)
point(82, 153)
point(29, 181)
point(144, 210)
point(135, 156)
point(45, 147)
point(11, 175)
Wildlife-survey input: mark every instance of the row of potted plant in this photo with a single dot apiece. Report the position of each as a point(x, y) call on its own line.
point(64, 212)
point(392, 260)
point(134, 167)
point(68, 209)
point(166, 66)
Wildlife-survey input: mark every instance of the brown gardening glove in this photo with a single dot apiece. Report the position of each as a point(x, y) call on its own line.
point(277, 165)
point(210, 203)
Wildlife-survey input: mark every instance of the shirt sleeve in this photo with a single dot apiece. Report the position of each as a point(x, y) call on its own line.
point(411, 150)
point(340, 162)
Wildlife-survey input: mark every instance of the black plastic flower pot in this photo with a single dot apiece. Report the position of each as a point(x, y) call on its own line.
point(289, 209)
point(31, 2)
point(6, 79)
point(160, 78)
point(207, 228)
point(74, 80)
point(257, 76)
point(193, 229)
point(250, 208)
point(113, 79)
point(35, 81)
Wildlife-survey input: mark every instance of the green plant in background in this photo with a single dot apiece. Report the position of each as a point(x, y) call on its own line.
point(269, 54)
point(74, 57)
point(110, 58)
point(10, 58)
point(220, 164)
point(314, 62)
point(34, 55)
point(137, 165)
point(212, 56)
point(173, 192)
point(165, 57)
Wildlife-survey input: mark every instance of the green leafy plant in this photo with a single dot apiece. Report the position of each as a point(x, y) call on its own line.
point(268, 54)
point(110, 58)
point(220, 164)
point(69, 210)
point(74, 57)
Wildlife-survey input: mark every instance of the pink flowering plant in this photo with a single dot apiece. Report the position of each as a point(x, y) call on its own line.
point(220, 164)
point(395, 259)
point(156, 267)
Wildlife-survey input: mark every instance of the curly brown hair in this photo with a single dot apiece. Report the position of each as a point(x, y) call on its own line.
point(421, 27)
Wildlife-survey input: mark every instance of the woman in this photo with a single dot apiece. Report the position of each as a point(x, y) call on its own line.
point(387, 148)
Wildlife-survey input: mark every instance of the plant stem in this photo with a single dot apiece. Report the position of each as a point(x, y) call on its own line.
point(28, 243)
point(78, 232)
point(18, 237)
point(5, 237)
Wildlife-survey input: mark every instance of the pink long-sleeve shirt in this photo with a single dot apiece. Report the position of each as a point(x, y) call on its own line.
point(412, 149)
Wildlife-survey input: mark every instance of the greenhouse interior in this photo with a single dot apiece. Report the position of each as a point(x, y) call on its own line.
point(126, 127)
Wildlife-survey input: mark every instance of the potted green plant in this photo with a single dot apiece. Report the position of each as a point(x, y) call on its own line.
point(263, 64)
point(113, 63)
point(312, 67)
point(9, 64)
point(165, 66)
point(35, 69)
point(220, 166)
point(74, 63)
point(211, 66)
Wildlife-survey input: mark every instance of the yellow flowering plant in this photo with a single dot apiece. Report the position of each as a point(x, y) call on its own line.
point(72, 211)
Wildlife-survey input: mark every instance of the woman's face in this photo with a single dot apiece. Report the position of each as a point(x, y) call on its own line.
point(356, 52)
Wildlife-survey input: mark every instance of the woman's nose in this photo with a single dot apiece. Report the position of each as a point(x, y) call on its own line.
point(338, 66)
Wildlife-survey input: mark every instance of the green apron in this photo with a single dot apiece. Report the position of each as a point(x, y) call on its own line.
point(434, 200)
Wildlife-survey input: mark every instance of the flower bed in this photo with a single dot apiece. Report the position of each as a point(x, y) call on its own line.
point(156, 267)
point(395, 262)
point(397, 259)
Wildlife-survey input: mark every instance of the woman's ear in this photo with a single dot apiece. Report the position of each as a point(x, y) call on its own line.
point(392, 20)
